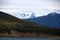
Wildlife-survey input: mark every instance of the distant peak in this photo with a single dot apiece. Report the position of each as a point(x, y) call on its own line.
point(53, 13)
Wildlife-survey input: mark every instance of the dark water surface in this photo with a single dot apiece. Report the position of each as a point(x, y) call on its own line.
point(11, 38)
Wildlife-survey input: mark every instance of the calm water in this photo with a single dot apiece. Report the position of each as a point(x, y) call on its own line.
point(9, 38)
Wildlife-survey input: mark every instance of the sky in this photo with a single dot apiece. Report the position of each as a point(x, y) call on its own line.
point(39, 7)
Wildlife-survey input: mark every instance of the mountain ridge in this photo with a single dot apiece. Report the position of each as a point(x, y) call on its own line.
point(9, 21)
point(52, 20)
point(11, 26)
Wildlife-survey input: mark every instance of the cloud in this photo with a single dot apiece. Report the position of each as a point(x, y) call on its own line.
point(19, 6)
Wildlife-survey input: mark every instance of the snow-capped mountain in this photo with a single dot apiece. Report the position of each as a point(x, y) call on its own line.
point(26, 15)
point(23, 15)
point(52, 20)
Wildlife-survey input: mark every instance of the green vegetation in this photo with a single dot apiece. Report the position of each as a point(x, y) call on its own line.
point(8, 23)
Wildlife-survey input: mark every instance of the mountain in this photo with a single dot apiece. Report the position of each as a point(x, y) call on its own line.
point(8, 21)
point(52, 20)
point(27, 14)
point(11, 26)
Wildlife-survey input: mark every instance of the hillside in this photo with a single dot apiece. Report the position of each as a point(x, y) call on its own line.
point(12, 26)
point(52, 20)
point(11, 21)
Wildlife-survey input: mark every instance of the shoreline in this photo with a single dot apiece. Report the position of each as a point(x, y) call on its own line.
point(32, 37)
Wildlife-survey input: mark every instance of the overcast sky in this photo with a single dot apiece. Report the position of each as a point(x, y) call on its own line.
point(37, 6)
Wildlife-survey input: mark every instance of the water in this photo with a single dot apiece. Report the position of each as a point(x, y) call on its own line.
point(9, 38)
